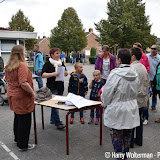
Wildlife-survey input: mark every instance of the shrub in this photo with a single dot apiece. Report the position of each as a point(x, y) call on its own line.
point(91, 60)
point(93, 52)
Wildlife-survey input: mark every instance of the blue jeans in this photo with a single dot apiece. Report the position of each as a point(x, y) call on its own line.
point(40, 82)
point(74, 60)
point(80, 113)
point(92, 113)
point(139, 129)
point(83, 60)
point(154, 99)
point(55, 112)
point(145, 114)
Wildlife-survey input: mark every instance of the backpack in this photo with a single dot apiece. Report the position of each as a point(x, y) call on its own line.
point(158, 77)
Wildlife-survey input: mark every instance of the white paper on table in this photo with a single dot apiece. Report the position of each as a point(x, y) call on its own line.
point(78, 101)
point(59, 98)
point(61, 71)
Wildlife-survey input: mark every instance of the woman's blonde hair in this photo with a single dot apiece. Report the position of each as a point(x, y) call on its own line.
point(17, 55)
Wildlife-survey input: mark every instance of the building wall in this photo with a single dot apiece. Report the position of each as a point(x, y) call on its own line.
point(44, 46)
point(92, 43)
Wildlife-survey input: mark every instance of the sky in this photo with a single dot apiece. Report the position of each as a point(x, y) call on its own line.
point(44, 14)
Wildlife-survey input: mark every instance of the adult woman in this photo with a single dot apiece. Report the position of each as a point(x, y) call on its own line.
point(119, 99)
point(20, 95)
point(49, 71)
point(105, 63)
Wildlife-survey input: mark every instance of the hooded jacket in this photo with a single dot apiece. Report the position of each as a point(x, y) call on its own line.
point(38, 62)
point(76, 87)
point(119, 98)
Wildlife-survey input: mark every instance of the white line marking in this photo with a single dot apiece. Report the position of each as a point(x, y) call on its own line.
point(9, 151)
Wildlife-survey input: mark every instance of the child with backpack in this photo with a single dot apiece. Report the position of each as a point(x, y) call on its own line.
point(95, 86)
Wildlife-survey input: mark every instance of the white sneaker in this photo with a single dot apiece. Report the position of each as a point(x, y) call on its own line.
point(30, 146)
point(145, 122)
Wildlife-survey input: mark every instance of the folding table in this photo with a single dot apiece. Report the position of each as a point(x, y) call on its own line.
point(53, 103)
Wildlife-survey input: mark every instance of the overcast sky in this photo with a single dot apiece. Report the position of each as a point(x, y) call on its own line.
point(44, 14)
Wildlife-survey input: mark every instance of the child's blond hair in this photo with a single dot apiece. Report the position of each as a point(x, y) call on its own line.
point(97, 72)
point(77, 64)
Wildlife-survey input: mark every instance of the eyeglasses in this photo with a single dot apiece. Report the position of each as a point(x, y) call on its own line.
point(154, 48)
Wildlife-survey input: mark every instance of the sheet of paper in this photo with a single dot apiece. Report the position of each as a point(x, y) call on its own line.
point(60, 98)
point(34, 75)
point(61, 71)
point(78, 101)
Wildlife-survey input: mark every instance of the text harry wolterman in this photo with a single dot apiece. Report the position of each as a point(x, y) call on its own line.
point(131, 155)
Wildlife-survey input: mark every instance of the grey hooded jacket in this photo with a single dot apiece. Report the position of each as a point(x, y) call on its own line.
point(119, 98)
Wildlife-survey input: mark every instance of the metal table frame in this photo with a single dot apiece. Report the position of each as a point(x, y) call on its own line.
point(67, 127)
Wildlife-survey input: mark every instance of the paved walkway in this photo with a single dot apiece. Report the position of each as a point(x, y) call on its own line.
point(84, 139)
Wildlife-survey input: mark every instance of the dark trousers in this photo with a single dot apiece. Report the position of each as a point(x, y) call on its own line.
point(145, 114)
point(21, 128)
point(139, 130)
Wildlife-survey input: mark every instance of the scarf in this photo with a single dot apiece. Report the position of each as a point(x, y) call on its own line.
point(55, 63)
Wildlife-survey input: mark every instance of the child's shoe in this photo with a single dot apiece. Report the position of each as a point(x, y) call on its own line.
point(71, 120)
point(145, 122)
point(91, 121)
point(82, 120)
point(97, 121)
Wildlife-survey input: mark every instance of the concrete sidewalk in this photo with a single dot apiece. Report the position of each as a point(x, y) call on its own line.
point(83, 139)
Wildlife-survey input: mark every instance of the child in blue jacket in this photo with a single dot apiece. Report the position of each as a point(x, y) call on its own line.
point(78, 85)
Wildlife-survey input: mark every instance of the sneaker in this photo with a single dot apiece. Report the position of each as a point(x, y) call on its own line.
point(30, 146)
point(97, 121)
point(51, 122)
point(157, 120)
point(61, 126)
point(145, 122)
point(82, 120)
point(154, 110)
point(91, 121)
point(71, 120)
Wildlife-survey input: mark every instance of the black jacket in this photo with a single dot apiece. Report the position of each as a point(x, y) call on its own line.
point(51, 83)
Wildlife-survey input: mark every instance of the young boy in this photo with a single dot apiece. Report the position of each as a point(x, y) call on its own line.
point(78, 85)
point(95, 85)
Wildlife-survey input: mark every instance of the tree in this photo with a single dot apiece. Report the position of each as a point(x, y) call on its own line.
point(69, 35)
point(20, 22)
point(126, 24)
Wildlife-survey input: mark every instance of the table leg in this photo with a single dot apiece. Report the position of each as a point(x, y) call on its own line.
point(101, 125)
point(67, 135)
point(35, 130)
point(42, 117)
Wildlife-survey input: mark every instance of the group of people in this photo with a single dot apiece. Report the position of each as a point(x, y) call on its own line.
point(121, 84)
point(77, 57)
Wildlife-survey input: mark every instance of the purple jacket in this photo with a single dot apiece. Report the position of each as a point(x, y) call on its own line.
point(99, 62)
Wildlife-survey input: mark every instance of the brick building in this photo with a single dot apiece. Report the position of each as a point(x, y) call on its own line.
point(44, 45)
point(91, 38)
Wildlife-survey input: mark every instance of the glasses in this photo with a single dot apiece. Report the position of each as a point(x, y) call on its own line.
point(154, 48)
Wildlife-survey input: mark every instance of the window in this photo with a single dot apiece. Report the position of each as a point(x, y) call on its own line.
point(7, 45)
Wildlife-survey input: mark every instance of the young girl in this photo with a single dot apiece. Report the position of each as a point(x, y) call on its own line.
point(95, 85)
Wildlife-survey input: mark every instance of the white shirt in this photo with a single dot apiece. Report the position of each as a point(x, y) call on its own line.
point(105, 68)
